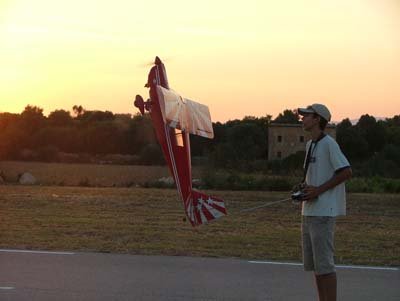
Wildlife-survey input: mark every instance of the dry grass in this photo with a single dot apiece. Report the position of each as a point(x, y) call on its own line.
point(96, 175)
point(150, 221)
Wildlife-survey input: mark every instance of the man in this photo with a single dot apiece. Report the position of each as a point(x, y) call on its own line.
point(326, 170)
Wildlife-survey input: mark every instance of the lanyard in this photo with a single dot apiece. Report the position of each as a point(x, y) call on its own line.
point(310, 152)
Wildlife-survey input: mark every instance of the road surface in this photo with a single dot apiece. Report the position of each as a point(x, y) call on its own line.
point(41, 276)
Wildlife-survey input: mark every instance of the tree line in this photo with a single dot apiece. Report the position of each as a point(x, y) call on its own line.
point(101, 136)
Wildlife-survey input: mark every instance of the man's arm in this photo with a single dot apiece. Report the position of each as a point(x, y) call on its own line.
point(312, 192)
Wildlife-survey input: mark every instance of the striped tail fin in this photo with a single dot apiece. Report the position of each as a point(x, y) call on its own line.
point(202, 208)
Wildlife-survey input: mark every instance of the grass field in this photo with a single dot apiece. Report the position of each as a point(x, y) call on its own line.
point(97, 175)
point(150, 221)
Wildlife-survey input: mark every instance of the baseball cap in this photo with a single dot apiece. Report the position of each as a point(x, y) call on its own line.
point(318, 109)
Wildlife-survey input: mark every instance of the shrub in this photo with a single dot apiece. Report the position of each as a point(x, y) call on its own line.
point(231, 180)
point(84, 182)
point(160, 183)
point(374, 185)
point(151, 155)
point(48, 153)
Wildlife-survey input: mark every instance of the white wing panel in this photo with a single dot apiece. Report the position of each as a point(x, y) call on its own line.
point(185, 114)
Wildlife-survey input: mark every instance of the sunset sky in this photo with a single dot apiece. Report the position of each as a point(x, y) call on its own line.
point(238, 57)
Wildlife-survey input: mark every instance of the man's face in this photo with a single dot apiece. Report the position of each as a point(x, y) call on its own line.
point(310, 121)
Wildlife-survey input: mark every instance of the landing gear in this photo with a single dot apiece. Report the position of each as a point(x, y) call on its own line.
point(139, 103)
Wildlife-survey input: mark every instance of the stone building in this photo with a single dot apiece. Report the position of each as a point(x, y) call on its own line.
point(287, 139)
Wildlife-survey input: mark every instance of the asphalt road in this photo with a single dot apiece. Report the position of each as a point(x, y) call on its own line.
point(98, 276)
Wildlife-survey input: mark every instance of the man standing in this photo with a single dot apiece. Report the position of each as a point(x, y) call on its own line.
point(326, 170)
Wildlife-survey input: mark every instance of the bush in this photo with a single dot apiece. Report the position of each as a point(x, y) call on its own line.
point(231, 180)
point(373, 185)
point(151, 155)
point(160, 183)
point(27, 154)
point(48, 153)
point(84, 182)
point(294, 161)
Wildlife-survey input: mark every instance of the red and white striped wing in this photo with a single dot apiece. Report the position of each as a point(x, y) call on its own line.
point(202, 208)
point(184, 114)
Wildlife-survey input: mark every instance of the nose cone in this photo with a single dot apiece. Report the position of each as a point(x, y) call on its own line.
point(157, 61)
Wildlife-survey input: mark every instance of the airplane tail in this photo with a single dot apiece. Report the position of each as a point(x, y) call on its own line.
point(202, 208)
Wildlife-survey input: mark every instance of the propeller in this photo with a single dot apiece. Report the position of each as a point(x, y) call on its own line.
point(156, 61)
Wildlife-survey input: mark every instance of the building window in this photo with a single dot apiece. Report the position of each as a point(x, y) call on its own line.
point(279, 154)
point(279, 138)
point(301, 138)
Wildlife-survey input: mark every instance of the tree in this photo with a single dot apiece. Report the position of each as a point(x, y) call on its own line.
point(102, 138)
point(60, 118)
point(366, 122)
point(288, 116)
point(140, 133)
point(247, 142)
point(151, 154)
point(78, 110)
point(395, 121)
point(12, 140)
point(32, 118)
point(353, 144)
point(66, 139)
point(344, 125)
point(96, 116)
point(7, 119)
point(372, 131)
point(392, 152)
point(392, 127)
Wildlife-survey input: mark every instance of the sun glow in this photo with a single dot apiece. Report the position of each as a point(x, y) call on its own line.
point(243, 58)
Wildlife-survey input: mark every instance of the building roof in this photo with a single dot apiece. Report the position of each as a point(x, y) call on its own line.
point(272, 124)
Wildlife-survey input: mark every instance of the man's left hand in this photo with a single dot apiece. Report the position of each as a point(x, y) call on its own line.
point(311, 193)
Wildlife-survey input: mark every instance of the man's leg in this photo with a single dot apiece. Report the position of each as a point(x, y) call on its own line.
point(306, 245)
point(322, 237)
point(318, 283)
point(327, 286)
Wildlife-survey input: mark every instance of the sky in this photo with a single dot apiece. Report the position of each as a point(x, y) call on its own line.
point(240, 58)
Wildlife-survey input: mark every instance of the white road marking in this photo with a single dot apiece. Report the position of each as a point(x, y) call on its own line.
point(337, 266)
point(35, 252)
point(277, 263)
point(6, 288)
point(366, 267)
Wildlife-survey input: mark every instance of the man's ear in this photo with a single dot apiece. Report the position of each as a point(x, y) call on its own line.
point(317, 117)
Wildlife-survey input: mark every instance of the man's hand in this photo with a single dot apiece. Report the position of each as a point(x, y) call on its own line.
point(311, 193)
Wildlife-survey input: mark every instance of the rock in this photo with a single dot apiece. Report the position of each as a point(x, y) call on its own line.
point(27, 179)
point(197, 183)
point(167, 180)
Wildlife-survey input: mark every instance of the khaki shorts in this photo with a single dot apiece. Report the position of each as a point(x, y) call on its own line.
point(317, 242)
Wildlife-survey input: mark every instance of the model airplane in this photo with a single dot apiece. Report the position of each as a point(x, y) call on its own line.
point(174, 117)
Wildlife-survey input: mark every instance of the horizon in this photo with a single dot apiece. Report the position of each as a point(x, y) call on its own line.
point(352, 120)
point(257, 58)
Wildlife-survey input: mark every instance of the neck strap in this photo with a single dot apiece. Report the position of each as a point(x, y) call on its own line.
point(310, 151)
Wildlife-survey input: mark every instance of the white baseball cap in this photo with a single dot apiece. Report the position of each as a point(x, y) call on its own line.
point(318, 109)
